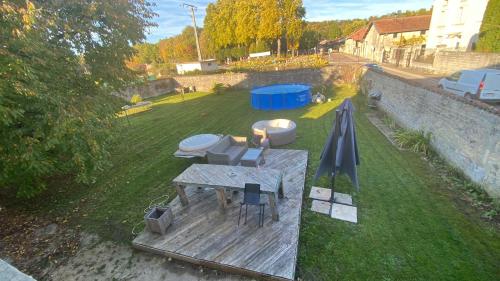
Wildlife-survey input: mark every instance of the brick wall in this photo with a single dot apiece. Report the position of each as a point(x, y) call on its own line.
point(466, 133)
point(449, 62)
point(248, 80)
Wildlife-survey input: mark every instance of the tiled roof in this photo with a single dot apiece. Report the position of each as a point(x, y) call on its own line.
point(359, 34)
point(405, 24)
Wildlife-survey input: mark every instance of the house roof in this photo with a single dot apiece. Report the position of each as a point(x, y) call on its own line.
point(359, 34)
point(404, 24)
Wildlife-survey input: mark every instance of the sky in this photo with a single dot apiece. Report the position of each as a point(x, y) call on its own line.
point(173, 17)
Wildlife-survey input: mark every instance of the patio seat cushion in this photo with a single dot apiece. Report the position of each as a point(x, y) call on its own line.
point(235, 152)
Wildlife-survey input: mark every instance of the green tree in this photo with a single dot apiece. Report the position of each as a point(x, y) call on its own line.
point(147, 53)
point(59, 62)
point(489, 34)
point(309, 39)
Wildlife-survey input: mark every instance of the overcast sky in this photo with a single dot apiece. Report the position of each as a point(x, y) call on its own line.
point(173, 17)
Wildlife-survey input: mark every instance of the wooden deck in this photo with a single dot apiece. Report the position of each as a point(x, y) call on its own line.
point(203, 235)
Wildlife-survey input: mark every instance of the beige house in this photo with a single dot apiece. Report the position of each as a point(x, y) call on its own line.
point(354, 42)
point(395, 40)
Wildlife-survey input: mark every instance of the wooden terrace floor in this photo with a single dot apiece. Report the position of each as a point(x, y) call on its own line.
point(203, 235)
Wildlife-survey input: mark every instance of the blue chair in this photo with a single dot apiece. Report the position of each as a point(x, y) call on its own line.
point(252, 197)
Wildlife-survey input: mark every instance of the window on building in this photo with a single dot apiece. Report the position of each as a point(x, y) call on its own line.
point(461, 15)
point(422, 32)
point(422, 50)
point(394, 35)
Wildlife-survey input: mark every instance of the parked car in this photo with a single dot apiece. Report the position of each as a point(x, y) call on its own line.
point(374, 66)
point(482, 84)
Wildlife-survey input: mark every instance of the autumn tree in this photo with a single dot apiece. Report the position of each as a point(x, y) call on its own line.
point(179, 48)
point(292, 17)
point(251, 24)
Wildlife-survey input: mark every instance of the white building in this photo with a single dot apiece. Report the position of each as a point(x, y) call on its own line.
point(206, 65)
point(455, 24)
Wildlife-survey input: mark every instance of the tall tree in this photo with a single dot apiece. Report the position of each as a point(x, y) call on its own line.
point(59, 61)
point(270, 26)
point(489, 34)
point(293, 14)
point(247, 22)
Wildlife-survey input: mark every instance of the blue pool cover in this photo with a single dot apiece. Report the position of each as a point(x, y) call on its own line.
point(281, 96)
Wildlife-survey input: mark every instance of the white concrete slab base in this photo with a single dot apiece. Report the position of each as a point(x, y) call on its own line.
point(320, 193)
point(343, 198)
point(322, 207)
point(345, 213)
point(339, 211)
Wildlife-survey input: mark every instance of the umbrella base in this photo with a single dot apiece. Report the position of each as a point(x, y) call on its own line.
point(324, 194)
point(341, 209)
point(338, 211)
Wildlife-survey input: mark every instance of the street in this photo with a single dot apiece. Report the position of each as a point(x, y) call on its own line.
point(424, 79)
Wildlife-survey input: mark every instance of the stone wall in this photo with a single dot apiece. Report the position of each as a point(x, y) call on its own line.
point(449, 62)
point(246, 80)
point(466, 133)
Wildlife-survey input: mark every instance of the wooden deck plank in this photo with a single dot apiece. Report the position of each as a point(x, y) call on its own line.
point(203, 235)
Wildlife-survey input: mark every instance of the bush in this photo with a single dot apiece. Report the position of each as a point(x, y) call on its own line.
point(416, 141)
point(219, 88)
point(272, 63)
point(136, 99)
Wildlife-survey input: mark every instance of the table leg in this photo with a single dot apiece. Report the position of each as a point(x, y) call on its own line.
point(273, 205)
point(221, 197)
point(182, 194)
point(281, 193)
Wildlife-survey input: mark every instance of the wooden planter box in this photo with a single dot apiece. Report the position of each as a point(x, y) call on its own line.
point(158, 219)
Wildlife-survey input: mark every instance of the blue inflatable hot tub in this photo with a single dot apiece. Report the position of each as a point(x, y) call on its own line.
point(281, 96)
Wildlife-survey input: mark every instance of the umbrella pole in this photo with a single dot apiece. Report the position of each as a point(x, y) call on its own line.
point(332, 187)
point(335, 144)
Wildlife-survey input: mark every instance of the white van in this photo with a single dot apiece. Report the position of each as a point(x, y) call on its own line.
point(482, 84)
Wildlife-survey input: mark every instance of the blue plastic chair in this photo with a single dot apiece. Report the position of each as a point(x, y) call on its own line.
point(252, 197)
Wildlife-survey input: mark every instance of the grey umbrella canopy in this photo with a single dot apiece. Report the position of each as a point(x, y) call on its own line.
point(340, 153)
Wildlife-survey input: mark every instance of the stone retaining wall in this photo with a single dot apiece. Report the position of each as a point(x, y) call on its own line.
point(466, 133)
point(449, 62)
point(246, 80)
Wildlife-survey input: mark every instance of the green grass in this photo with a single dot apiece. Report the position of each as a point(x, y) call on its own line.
point(411, 226)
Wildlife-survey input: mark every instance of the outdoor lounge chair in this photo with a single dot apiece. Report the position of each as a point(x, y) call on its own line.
point(252, 197)
point(228, 151)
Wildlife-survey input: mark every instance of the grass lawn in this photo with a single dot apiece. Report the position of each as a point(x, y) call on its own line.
point(410, 226)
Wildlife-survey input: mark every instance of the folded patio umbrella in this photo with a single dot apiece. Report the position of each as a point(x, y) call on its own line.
point(340, 153)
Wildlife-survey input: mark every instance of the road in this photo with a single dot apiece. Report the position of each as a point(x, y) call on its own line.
point(426, 80)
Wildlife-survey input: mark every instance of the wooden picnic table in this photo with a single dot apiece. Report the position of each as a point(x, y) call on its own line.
point(222, 178)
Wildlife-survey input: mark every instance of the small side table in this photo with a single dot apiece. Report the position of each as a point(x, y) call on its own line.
point(253, 157)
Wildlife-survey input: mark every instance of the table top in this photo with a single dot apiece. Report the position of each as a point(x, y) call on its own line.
point(233, 177)
point(252, 154)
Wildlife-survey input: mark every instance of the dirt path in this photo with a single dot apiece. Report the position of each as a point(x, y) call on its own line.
point(109, 261)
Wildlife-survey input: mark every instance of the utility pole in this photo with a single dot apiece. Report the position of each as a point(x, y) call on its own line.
point(193, 8)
